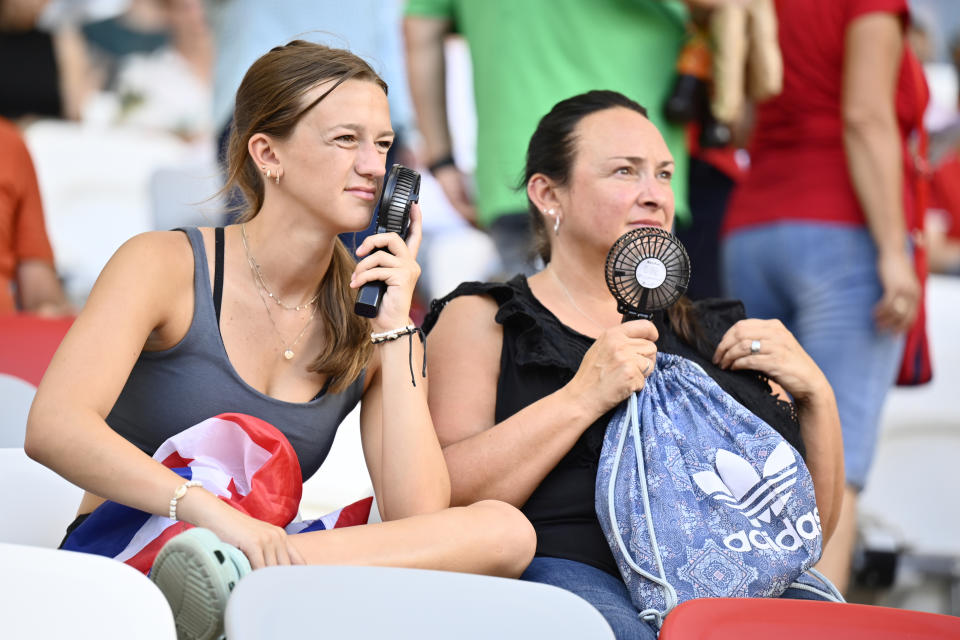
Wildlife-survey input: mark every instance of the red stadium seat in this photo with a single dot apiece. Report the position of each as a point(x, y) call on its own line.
point(27, 343)
point(783, 619)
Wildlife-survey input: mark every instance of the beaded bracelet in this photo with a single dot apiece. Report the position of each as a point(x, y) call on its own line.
point(393, 334)
point(179, 493)
point(409, 330)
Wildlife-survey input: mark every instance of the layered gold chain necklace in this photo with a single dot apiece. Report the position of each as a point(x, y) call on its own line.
point(288, 352)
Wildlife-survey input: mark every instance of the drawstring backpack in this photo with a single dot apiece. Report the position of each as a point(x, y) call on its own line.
point(698, 497)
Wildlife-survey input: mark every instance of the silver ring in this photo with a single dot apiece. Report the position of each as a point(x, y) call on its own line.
point(647, 369)
point(755, 347)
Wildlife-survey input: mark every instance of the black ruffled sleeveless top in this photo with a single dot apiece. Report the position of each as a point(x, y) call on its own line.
point(540, 355)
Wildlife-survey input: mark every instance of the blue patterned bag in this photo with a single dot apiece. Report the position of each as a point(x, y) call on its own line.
point(717, 504)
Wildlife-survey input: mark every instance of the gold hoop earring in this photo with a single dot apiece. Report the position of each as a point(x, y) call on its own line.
point(268, 174)
point(278, 175)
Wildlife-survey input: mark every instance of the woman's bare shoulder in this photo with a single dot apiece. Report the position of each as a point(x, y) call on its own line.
point(157, 250)
point(151, 274)
point(468, 316)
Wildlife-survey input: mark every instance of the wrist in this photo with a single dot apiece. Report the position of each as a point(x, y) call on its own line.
point(195, 505)
point(381, 340)
point(819, 395)
point(892, 253)
point(380, 337)
point(179, 493)
point(441, 163)
point(388, 324)
point(893, 245)
point(575, 407)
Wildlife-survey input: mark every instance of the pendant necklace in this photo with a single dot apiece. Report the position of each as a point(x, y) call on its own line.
point(288, 352)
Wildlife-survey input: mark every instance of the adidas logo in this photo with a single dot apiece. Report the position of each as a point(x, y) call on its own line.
point(739, 486)
point(759, 499)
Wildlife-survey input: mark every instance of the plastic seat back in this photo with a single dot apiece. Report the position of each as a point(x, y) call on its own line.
point(763, 618)
point(62, 594)
point(37, 503)
point(380, 602)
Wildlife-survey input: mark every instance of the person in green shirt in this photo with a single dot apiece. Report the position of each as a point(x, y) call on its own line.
point(527, 56)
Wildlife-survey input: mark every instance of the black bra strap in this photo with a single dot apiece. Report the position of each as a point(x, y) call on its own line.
point(218, 271)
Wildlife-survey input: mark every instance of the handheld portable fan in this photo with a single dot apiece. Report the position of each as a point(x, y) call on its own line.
point(400, 190)
point(647, 270)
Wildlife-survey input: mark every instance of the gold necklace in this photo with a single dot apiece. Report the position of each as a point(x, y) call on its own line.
point(287, 349)
point(288, 352)
point(258, 275)
point(573, 302)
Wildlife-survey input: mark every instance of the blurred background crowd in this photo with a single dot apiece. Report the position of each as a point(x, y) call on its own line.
point(124, 106)
point(114, 114)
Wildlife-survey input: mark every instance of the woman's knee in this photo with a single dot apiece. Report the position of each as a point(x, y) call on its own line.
point(509, 536)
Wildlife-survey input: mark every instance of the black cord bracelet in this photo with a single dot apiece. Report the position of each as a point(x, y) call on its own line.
point(445, 161)
point(409, 331)
point(423, 341)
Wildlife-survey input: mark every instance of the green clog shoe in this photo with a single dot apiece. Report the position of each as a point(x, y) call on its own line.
point(196, 571)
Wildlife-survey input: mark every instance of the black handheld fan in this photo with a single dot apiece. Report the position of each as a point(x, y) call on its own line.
point(400, 190)
point(647, 270)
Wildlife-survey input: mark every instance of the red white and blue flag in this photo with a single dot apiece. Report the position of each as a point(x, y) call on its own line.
point(242, 459)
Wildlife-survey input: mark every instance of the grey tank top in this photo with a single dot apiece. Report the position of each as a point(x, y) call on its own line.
point(171, 390)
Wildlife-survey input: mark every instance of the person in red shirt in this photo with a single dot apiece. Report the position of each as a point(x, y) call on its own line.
point(28, 280)
point(817, 233)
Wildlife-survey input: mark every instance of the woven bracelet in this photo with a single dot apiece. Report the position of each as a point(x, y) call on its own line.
point(393, 334)
point(409, 330)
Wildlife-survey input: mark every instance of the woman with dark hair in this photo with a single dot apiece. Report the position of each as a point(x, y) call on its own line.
point(257, 318)
point(527, 373)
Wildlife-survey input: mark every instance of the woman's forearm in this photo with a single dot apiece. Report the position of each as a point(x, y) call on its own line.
point(872, 58)
point(875, 162)
point(77, 444)
point(426, 70)
point(820, 430)
point(509, 460)
point(413, 472)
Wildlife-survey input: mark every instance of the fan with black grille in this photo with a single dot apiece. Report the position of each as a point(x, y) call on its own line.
point(647, 270)
point(400, 190)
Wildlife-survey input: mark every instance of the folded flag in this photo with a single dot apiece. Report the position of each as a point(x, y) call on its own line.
point(246, 461)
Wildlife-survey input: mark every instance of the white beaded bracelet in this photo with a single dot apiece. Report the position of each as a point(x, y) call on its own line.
point(179, 493)
point(393, 334)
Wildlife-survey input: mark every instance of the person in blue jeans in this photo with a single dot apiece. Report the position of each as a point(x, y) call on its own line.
point(527, 373)
point(818, 233)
